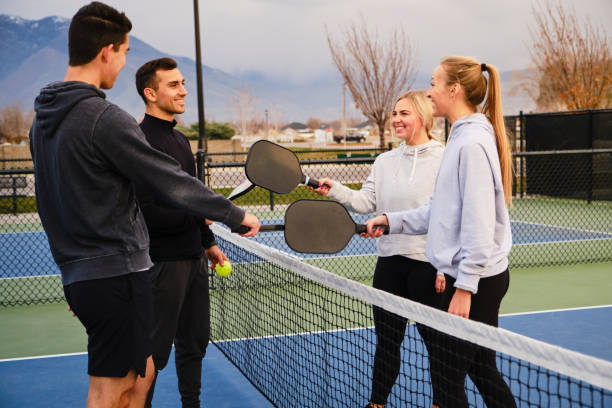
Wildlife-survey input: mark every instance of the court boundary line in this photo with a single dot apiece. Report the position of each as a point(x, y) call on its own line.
point(561, 227)
point(32, 276)
point(41, 357)
point(569, 309)
point(317, 332)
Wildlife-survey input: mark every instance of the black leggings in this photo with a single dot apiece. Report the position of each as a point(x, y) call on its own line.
point(410, 279)
point(451, 359)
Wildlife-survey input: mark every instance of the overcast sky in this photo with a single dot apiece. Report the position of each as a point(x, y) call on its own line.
point(288, 36)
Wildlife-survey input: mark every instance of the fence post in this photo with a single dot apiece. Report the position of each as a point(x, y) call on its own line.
point(14, 180)
point(271, 201)
point(522, 160)
point(199, 165)
point(591, 157)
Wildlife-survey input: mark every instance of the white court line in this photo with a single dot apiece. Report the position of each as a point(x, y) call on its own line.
point(39, 357)
point(561, 227)
point(555, 310)
point(317, 332)
point(30, 277)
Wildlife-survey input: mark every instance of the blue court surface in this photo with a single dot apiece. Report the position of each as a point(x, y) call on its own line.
point(61, 381)
point(13, 246)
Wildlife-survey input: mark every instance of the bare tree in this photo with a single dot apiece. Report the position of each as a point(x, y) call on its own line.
point(573, 60)
point(314, 123)
point(14, 123)
point(375, 71)
point(243, 110)
point(275, 117)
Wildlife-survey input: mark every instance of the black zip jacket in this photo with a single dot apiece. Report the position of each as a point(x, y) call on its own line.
point(87, 154)
point(175, 234)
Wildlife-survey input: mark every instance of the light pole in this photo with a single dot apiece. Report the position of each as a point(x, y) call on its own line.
point(202, 142)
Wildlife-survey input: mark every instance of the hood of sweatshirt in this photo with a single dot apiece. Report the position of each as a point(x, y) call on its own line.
point(57, 99)
point(415, 151)
point(475, 119)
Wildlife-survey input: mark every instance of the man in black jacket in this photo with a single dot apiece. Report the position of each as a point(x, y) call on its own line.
point(181, 310)
point(87, 154)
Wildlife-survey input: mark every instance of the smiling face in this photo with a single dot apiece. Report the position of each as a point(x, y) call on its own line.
point(439, 92)
point(169, 97)
point(406, 122)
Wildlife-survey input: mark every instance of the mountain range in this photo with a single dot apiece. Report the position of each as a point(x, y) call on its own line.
point(35, 53)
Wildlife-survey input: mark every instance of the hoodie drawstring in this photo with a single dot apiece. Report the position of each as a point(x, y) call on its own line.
point(415, 153)
point(414, 162)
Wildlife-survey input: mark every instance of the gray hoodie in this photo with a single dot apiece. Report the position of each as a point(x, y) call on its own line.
point(401, 179)
point(466, 219)
point(87, 154)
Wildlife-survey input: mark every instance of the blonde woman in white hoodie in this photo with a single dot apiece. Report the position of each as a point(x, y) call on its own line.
point(400, 179)
point(467, 223)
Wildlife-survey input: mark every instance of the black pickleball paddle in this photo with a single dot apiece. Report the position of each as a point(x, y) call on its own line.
point(274, 168)
point(317, 226)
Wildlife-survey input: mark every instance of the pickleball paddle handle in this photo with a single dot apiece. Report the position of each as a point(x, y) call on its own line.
point(361, 228)
point(243, 229)
point(314, 183)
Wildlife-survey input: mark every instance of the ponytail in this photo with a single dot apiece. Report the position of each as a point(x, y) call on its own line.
point(470, 75)
point(492, 109)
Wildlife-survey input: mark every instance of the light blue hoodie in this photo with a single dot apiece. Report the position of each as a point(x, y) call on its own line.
point(466, 220)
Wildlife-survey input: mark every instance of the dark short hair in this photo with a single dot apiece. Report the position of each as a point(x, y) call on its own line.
point(92, 28)
point(145, 76)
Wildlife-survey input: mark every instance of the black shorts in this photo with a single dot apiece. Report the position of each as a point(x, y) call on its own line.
point(116, 313)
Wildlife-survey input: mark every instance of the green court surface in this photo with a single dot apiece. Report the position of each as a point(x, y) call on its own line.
point(50, 329)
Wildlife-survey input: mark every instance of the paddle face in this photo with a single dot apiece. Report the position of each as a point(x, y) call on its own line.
point(315, 226)
point(273, 167)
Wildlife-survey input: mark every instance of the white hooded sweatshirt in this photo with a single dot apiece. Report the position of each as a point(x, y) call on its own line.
point(466, 220)
point(400, 179)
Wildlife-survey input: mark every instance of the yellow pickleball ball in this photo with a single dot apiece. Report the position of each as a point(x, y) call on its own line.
point(224, 270)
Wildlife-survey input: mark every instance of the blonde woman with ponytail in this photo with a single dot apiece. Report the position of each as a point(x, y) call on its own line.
point(467, 223)
point(400, 179)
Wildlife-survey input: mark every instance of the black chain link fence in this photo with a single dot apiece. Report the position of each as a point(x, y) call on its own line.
point(561, 214)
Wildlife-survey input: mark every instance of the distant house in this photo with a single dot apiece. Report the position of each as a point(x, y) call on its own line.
point(295, 126)
point(367, 126)
point(294, 131)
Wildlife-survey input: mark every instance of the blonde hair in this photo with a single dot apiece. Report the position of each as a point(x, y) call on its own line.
point(469, 73)
point(423, 108)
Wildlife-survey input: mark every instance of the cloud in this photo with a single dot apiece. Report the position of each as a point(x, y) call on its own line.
point(287, 37)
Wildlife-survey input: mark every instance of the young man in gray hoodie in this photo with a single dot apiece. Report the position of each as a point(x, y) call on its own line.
point(87, 155)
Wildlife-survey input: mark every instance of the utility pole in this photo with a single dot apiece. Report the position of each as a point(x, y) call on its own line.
point(267, 127)
point(344, 112)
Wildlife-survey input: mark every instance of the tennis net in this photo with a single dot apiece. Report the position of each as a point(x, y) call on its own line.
point(304, 337)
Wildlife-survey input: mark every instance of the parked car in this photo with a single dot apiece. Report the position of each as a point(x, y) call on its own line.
point(352, 135)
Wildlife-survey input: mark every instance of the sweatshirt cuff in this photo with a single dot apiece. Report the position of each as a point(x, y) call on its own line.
point(234, 217)
point(467, 282)
point(210, 244)
point(395, 222)
point(334, 190)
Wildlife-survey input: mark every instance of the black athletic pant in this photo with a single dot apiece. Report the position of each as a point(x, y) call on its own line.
point(181, 313)
point(451, 359)
point(410, 279)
